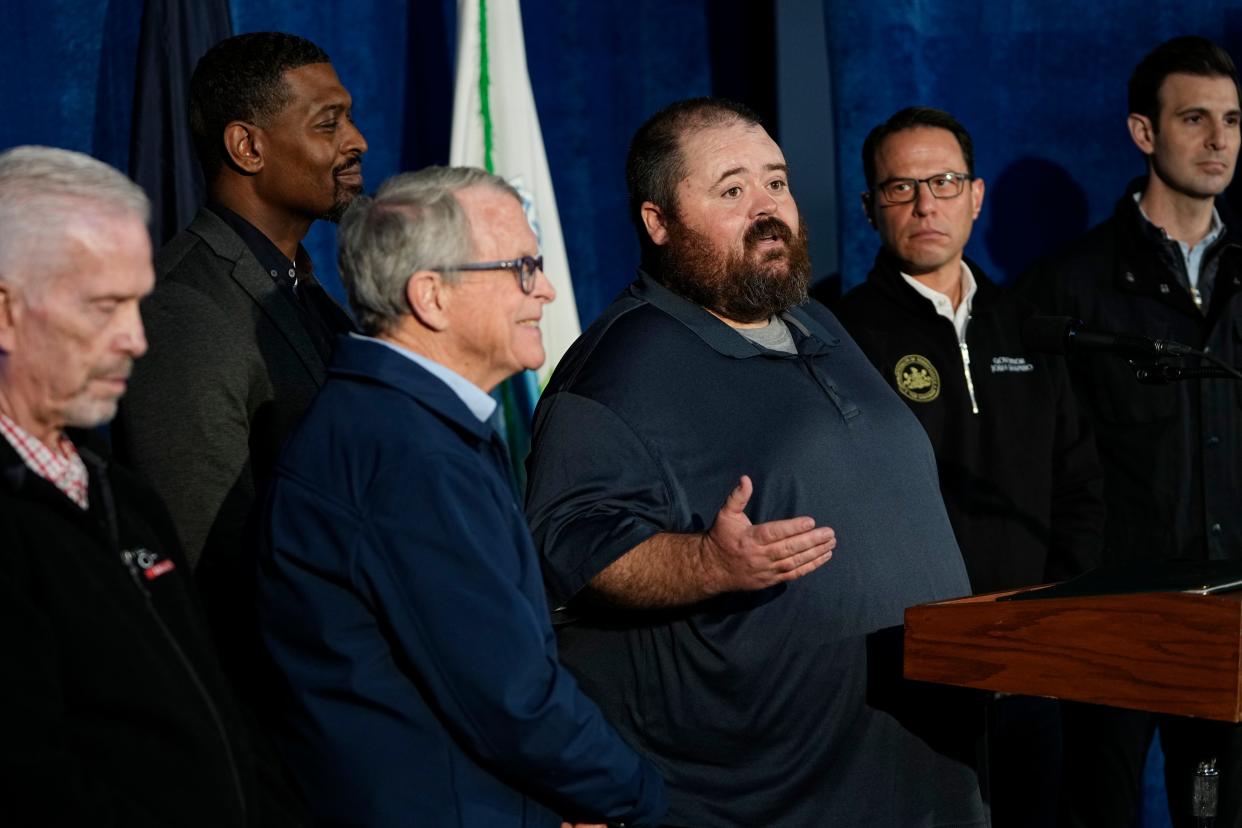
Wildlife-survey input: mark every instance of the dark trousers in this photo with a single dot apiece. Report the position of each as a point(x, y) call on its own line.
point(1022, 773)
point(1106, 749)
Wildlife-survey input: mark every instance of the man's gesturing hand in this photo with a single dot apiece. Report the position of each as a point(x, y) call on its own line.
point(739, 555)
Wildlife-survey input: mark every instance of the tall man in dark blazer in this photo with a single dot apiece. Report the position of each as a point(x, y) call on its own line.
point(240, 331)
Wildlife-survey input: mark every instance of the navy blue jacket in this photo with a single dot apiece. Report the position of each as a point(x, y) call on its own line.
point(401, 597)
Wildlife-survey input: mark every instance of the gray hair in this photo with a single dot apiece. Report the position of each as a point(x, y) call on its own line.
point(413, 223)
point(44, 191)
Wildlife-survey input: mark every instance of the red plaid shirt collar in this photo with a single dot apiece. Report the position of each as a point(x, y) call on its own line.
point(62, 467)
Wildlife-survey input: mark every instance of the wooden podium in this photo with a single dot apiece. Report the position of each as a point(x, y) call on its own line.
point(1166, 652)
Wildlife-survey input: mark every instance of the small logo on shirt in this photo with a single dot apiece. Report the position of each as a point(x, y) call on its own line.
point(150, 563)
point(917, 378)
point(1011, 365)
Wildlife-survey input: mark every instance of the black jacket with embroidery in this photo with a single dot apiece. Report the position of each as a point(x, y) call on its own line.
point(1172, 454)
point(113, 708)
point(1018, 468)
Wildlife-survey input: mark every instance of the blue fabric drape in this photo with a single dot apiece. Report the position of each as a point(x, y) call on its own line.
point(67, 75)
point(175, 34)
point(1041, 87)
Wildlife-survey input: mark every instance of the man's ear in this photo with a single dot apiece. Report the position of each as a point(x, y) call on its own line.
point(1143, 131)
point(655, 222)
point(429, 298)
point(977, 188)
point(7, 321)
point(244, 146)
point(868, 206)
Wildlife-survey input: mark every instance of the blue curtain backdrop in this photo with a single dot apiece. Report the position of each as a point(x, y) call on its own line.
point(1040, 85)
point(67, 78)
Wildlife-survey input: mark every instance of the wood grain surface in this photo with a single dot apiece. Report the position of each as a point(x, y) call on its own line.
point(1164, 652)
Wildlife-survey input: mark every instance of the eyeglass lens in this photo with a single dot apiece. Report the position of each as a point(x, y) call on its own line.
point(946, 185)
point(528, 269)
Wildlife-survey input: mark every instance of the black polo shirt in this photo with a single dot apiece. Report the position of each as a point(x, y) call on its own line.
point(782, 706)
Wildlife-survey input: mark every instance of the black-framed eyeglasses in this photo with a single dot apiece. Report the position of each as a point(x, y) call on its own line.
point(905, 190)
point(526, 269)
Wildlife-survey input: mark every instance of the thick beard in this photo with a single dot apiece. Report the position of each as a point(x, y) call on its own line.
point(746, 287)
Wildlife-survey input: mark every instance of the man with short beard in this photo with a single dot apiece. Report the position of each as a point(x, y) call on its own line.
point(240, 330)
point(764, 684)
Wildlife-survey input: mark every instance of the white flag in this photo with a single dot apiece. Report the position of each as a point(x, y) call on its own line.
point(500, 109)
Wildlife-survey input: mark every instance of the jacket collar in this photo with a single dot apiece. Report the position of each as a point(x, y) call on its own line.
point(264, 249)
point(1138, 253)
point(811, 337)
point(371, 361)
point(885, 276)
point(250, 276)
point(17, 478)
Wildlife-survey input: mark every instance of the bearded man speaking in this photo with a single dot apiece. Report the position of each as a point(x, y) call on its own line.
point(700, 455)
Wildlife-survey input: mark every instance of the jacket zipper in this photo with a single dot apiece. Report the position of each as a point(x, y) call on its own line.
point(970, 383)
point(127, 559)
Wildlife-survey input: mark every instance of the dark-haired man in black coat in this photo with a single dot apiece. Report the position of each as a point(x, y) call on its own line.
point(1166, 265)
point(1017, 465)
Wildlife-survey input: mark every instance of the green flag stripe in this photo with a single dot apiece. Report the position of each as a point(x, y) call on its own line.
point(485, 105)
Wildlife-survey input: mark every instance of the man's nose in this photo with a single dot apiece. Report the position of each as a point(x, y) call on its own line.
point(1218, 138)
point(132, 338)
point(354, 139)
point(543, 290)
point(763, 203)
point(924, 201)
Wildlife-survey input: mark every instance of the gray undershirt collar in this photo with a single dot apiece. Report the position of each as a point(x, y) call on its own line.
point(774, 336)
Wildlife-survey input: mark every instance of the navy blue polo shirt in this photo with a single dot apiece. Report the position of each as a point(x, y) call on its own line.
point(782, 706)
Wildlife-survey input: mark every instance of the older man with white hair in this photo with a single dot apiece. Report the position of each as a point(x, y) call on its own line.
point(400, 592)
point(113, 708)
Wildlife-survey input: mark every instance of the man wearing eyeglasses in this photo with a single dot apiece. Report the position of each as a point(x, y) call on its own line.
point(400, 593)
point(1017, 464)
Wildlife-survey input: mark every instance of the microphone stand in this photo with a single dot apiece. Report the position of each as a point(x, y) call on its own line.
point(1159, 371)
point(1156, 371)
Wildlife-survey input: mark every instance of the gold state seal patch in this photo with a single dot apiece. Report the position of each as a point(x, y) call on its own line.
point(917, 378)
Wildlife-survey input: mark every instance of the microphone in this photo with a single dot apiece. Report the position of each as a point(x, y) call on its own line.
point(1064, 335)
